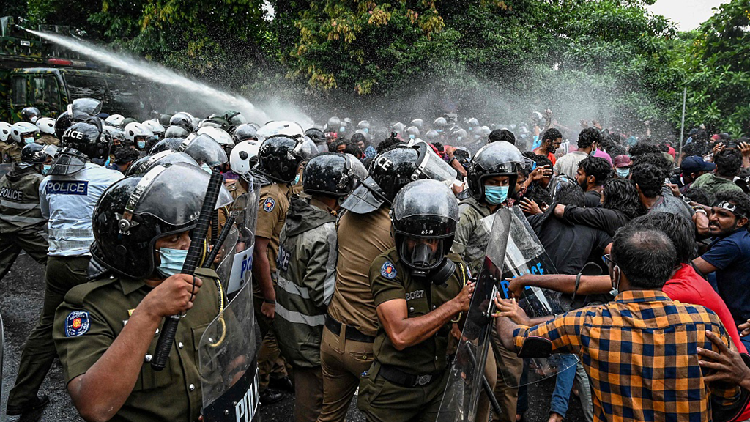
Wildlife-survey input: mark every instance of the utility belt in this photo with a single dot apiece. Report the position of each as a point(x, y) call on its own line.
point(352, 333)
point(396, 376)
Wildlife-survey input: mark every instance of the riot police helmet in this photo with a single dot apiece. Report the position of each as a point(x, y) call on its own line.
point(85, 107)
point(330, 174)
point(176, 132)
point(143, 165)
point(217, 134)
point(24, 133)
point(182, 119)
point(424, 217)
point(30, 114)
point(46, 125)
point(280, 128)
point(5, 129)
point(132, 215)
point(244, 158)
point(245, 132)
point(114, 120)
point(62, 124)
point(32, 154)
point(494, 159)
point(204, 150)
point(279, 158)
point(167, 144)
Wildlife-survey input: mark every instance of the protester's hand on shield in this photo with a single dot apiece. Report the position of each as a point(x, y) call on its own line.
point(726, 366)
point(463, 299)
point(744, 328)
point(517, 284)
point(529, 206)
point(509, 308)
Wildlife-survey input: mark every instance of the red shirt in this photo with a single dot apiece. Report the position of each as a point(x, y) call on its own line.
point(687, 286)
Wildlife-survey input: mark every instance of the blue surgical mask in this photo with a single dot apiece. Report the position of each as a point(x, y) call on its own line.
point(141, 144)
point(366, 130)
point(46, 168)
point(622, 173)
point(296, 179)
point(206, 168)
point(411, 136)
point(172, 260)
point(29, 140)
point(496, 195)
point(342, 129)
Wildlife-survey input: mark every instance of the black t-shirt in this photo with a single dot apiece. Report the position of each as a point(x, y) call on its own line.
point(592, 199)
point(571, 246)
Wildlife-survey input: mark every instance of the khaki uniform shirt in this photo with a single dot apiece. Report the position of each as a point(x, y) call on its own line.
point(361, 238)
point(272, 209)
point(47, 140)
point(390, 280)
point(93, 315)
point(472, 233)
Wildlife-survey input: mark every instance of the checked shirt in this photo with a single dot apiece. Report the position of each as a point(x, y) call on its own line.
point(640, 352)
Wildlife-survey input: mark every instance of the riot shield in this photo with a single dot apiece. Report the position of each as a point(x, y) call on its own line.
point(465, 380)
point(525, 254)
point(245, 211)
point(227, 364)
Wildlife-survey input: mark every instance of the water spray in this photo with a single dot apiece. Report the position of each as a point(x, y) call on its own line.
point(214, 97)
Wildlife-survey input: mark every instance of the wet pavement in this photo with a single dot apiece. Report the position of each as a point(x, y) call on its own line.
point(21, 299)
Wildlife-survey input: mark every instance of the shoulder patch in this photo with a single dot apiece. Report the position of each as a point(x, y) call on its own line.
point(388, 270)
point(77, 324)
point(269, 204)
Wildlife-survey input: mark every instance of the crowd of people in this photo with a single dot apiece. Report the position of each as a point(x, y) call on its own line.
point(367, 243)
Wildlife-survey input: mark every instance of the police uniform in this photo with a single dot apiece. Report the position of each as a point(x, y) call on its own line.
point(272, 209)
point(68, 203)
point(47, 139)
point(94, 314)
point(408, 384)
point(304, 286)
point(472, 235)
point(21, 221)
point(14, 152)
point(351, 323)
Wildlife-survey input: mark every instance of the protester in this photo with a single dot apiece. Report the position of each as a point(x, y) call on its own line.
point(728, 163)
point(588, 140)
point(649, 179)
point(551, 140)
point(591, 175)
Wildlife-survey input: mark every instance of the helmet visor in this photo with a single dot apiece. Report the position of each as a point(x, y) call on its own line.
point(422, 253)
point(203, 149)
point(68, 163)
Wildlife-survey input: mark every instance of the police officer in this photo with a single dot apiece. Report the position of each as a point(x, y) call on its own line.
point(492, 179)
point(306, 275)
point(418, 289)
point(47, 129)
point(106, 331)
point(21, 221)
point(22, 133)
point(68, 197)
point(363, 233)
point(279, 158)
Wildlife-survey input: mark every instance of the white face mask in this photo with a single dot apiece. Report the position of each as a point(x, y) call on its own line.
point(34, 119)
point(206, 168)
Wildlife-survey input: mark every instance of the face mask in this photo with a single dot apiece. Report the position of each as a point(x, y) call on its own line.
point(206, 168)
point(411, 136)
point(141, 144)
point(46, 168)
point(172, 260)
point(496, 195)
point(622, 173)
point(342, 129)
point(29, 140)
point(34, 119)
point(366, 130)
point(296, 179)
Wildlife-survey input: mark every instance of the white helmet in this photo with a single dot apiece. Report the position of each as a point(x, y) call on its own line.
point(22, 132)
point(208, 123)
point(5, 129)
point(135, 129)
point(243, 157)
point(155, 127)
point(114, 120)
point(218, 135)
point(284, 128)
point(46, 125)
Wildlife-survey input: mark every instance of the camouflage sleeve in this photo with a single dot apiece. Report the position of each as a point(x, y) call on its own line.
point(319, 274)
point(464, 228)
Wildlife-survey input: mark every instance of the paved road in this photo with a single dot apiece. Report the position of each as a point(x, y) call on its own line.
point(22, 291)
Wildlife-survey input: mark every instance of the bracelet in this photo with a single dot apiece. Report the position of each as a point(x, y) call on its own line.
point(272, 301)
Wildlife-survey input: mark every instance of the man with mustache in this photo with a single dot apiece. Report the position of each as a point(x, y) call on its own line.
point(729, 254)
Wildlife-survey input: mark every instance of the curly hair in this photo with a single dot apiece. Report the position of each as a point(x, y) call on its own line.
point(740, 200)
point(643, 147)
point(728, 162)
point(498, 135)
point(658, 160)
point(589, 137)
point(597, 167)
point(621, 195)
point(649, 179)
point(551, 134)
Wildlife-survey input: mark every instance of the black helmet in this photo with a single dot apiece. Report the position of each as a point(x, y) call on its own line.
point(235, 118)
point(389, 172)
point(164, 158)
point(33, 154)
point(167, 144)
point(495, 159)
point(132, 215)
point(330, 174)
point(279, 158)
point(87, 139)
point(62, 124)
point(83, 108)
point(204, 150)
point(425, 210)
point(29, 113)
point(164, 119)
point(316, 135)
point(244, 132)
point(183, 120)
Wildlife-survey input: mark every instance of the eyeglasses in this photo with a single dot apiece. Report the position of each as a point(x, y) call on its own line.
point(608, 259)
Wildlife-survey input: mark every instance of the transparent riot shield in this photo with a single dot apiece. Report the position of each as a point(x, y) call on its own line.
point(227, 363)
point(525, 254)
point(245, 211)
point(465, 382)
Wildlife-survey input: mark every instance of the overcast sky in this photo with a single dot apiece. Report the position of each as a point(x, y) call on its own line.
point(687, 14)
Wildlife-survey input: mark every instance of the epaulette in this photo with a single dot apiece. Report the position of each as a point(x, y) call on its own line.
point(77, 294)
